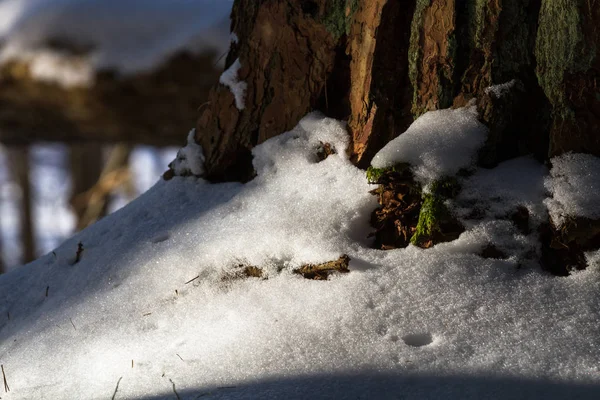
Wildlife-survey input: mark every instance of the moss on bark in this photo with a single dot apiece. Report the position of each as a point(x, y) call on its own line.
point(434, 216)
point(561, 49)
point(338, 16)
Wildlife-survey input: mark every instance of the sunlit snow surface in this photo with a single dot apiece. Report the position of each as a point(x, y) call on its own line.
point(125, 35)
point(437, 144)
point(575, 186)
point(410, 324)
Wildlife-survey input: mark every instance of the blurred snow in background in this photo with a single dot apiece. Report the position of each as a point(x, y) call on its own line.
point(124, 35)
point(51, 186)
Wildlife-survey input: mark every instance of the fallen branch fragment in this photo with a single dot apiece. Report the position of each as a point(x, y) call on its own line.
point(175, 390)
point(116, 389)
point(322, 271)
point(244, 271)
point(6, 388)
point(192, 280)
point(79, 252)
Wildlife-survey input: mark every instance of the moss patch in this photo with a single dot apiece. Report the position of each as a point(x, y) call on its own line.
point(560, 49)
point(436, 223)
point(338, 16)
point(406, 215)
point(374, 175)
point(415, 54)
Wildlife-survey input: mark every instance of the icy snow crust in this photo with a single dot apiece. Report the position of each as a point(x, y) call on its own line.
point(147, 303)
point(574, 184)
point(437, 144)
point(125, 35)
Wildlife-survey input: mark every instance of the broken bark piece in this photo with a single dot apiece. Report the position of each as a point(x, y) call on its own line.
point(244, 271)
point(406, 215)
point(400, 200)
point(325, 150)
point(322, 271)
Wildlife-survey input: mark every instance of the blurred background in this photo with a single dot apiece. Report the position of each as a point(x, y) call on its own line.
point(96, 96)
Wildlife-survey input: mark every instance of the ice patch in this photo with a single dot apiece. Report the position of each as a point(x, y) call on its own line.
point(437, 144)
point(230, 79)
point(574, 184)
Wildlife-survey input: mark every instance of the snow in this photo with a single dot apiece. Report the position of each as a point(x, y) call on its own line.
point(501, 89)
point(148, 306)
point(124, 35)
point(53, 218)
point(189, 159)
point(230, 79)
point(437, 144)
point(574, 184)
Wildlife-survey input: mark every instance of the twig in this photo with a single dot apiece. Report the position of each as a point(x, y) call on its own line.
point(116, 389)
point(47, 289)
point(6, 388)
point(174, 390)
point(219, 59)
point(191, 280)
point(131, 363)
point(78, 253)
point(72, 323)
point(180, 357)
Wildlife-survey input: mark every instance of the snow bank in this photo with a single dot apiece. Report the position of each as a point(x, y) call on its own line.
point(437, 144)
point(126, 35)
point(149, 305)
point(574, 185)
point(230, 79)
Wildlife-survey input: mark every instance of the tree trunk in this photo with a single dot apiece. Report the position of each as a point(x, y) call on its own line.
point(381, 63)
point(21, 166)
point(95, 180)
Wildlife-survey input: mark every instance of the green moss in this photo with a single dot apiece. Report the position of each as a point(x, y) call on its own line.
point(415, 54)
point(561, 49)
point(477, 10)
point(375, 174)
point(338, 16)
point(433, 210)
point(513, 51)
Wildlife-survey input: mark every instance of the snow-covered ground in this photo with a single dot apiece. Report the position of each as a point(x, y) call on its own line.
point(51, 187)
point(148, 309)
point(65, 41)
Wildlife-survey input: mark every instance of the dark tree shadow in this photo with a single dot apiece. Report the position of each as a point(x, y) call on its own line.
point(373, 385)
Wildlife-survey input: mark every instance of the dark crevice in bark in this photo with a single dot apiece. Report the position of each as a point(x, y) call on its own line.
point(334, 101)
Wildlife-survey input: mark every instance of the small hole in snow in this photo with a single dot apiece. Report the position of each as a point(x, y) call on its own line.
point(160, 238)
point(418, 339)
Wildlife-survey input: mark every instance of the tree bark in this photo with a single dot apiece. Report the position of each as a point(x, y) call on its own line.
point(391, 61)
point(21, 166)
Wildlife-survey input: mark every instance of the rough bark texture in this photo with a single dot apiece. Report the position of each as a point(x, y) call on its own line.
point(380, 64)
point(567, 51)
point(287, 54)
point(380, 90)
point(156, 107)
